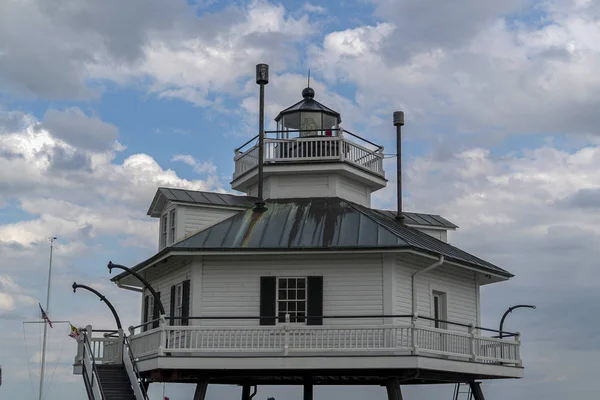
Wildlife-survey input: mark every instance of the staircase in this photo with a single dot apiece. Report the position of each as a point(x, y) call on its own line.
point(115, 382)
point(468, 391)
point(108, 367)
point(462, 391)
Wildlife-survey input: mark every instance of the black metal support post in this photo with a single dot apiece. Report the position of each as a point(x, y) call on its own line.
point(201, 388)
point(102, 298)
point(510, 309)
point(262, 78)
point(144, 282)
point(308, 389)
point(398, 123)
point(394, 391)
point(476, 391)
point(246, 392)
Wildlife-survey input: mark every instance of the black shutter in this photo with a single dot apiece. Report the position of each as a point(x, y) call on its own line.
point(268, 287)
point(156, 312)
point(314, 300)
point(172, 305)
point(185, 306)
point(145, 313)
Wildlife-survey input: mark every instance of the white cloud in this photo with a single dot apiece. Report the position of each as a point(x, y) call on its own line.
point(197, 65)
point(500, 78)
point(206, 167)
point(12, 295)
point(79, 130)
point(77, 203)
point(309, 7)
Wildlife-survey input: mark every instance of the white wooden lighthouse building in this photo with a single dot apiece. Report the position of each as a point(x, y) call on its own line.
point(314, 287)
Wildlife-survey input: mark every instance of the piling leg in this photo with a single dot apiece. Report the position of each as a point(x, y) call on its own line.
point(201, 387)
point(245, 392)
point(308, 390)
point(476, 391)
point(394, 391)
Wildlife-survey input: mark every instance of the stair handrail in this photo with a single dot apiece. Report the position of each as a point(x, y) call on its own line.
point(136, 371)
point(90, 385)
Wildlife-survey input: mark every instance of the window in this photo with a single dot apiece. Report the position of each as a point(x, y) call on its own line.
point(172, 227)
point(163, 231)
point(178, 307)
point(439, 309)
point(291, 299)
point(148, 311)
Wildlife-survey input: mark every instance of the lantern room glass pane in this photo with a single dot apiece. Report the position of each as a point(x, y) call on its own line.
point(310, 122)
point(329, 124)
point(291, 121)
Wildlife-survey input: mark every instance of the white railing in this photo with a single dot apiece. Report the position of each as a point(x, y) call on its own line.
point(323, 148)
point(91, 378)
point(292, 339)
point(106, 350)
point(146, 343)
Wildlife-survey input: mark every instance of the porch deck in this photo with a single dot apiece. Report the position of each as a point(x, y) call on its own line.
point(327, 348)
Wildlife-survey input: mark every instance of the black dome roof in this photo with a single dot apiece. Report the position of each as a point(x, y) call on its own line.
point(309, 104)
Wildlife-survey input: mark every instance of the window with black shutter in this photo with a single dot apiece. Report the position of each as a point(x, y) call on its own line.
point(268, 296)
point(185, 303)
point(291, 299)
point(314, 300)
point(180, 303)
point(155, 311)
point(297, 297)
point(145, 312)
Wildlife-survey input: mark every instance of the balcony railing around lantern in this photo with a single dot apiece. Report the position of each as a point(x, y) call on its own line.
point(403, 334)
point(303, 146)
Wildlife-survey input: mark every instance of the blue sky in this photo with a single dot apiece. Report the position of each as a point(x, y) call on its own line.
point(100, 101)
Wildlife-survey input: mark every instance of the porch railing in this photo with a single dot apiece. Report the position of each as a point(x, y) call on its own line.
point(293, 339)
point(310, 149)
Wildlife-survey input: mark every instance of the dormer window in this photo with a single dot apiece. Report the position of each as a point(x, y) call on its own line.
point(168, 228)
point(163, 231)
point(172, 226)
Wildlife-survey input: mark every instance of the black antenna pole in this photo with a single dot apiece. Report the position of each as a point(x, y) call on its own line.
point(398, 123)
point(309, 77)
point(262, 78)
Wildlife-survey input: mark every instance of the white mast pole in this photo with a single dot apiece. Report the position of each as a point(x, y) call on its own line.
point(52, 239)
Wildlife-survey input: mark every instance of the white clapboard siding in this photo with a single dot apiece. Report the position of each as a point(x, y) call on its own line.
point(354, 191)
point(440, 234)
point(163, 276)
point(197, 218)
point(351, 285)
point(458, 284)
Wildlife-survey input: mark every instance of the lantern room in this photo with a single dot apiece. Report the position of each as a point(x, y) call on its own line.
point(308, 118)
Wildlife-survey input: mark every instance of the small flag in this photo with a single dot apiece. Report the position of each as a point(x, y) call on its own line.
point(44, 316)
point(166, 398)
point(74, 332)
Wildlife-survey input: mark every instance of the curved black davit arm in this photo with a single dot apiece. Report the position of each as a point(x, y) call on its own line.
point(144, 282)
point(102, 298)
point(510, 309)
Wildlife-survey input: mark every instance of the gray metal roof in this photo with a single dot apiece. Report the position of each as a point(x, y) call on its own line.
point(224, 199)
point(299, 223)
point(421, 219)
point(426, 242)
point(321, 223)
point(199, 197)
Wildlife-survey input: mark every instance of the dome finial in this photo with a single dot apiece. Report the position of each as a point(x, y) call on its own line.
point(308, 92)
